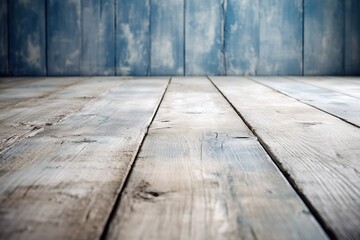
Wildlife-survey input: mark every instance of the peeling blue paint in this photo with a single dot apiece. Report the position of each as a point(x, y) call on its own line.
point(3, 38)
point(352, 38)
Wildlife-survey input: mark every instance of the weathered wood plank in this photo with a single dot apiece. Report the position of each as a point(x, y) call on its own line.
point(35, 89)
point(319, 152)
point(281, 43)
point(133, 37)
point(339, 105)
point(4, 38)
point(67, 186)
point(167, 37)
point(352, 37)
point(27, 46)
point(64, 37)
point(340, 85)
point(201, 174)
point(324, 37)
point(31, 117)
point(98, 35)
point(242, 37)
point(204, 37)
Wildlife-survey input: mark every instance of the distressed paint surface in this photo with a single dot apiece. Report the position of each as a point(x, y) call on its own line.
point(204, 41)
point(133, 37)
point(352, 37)
point(3, 38)
point(98, 45)
point(242, 37)
point(167, 37)
point(27, 47)
point(280, 37)
point(64, 37)
point(324, 37)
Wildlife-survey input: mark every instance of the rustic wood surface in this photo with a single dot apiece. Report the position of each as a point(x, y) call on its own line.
point(320, 153)
point(62, 183)
point(201, 174)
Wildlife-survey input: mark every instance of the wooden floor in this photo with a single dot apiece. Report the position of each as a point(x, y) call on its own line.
point(180, 158)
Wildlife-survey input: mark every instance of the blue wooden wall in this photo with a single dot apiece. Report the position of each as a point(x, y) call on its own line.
point(179, 37)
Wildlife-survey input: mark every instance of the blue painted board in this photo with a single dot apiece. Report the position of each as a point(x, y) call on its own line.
point(64, 37)
point(204, 37)
point(242, 37)
point(281, 39)
point(27, 46)
point(352, 38)
point(3, 38)
point(98, 40)
point(167, 37)
point(133, 37)
point(324, 37)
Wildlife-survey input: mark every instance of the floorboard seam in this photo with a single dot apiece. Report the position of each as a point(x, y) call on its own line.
point(287, 176)
point(124, 183)
point(278, 91)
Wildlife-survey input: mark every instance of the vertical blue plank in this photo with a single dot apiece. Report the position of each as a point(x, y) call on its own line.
point(167, 37)
point(27, 38)
point(281, 45)
point(324, 37)
point(352, 38)
point(132, 37)
point(98, 46)
point(242, 37)
point(204, 31)
point(3, 38)
point(64, 37)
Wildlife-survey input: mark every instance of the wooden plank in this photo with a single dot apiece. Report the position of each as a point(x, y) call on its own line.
point(34, 89)
point(64, 37)
point(167, 37)
point(242, 37)
point(6, 82)
point(345, 107)
point(324, 37)
point(317, 151)
point(98, 45)
point(133, 37)
point(204, 37)
point(352, 37)
point(281, 35)
point(3, 38)
point(27, 45)
point(341, 85)
point(201, 174)
point(33, 116)
point(68, 184)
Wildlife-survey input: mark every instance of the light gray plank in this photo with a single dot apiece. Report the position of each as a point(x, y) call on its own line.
point(319, 152)
point(62, 183)
point(201, 174)
point(30, 117)
point(345, 107)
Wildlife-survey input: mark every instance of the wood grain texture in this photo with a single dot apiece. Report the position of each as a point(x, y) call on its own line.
point(133, 37)
point(28, 118)
point(337, 104)
point(204, 37)
point(281, 42)
point(67, 186)
point(98, 37)
point(64, 37)
point(317, 151)
point(352, 37)
point(341, 85)
point(34, 89)
point(201, 174)
point(324, 37)
point(4, 70)
point(27, 46)
point(167, 37)
point(242, 37)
